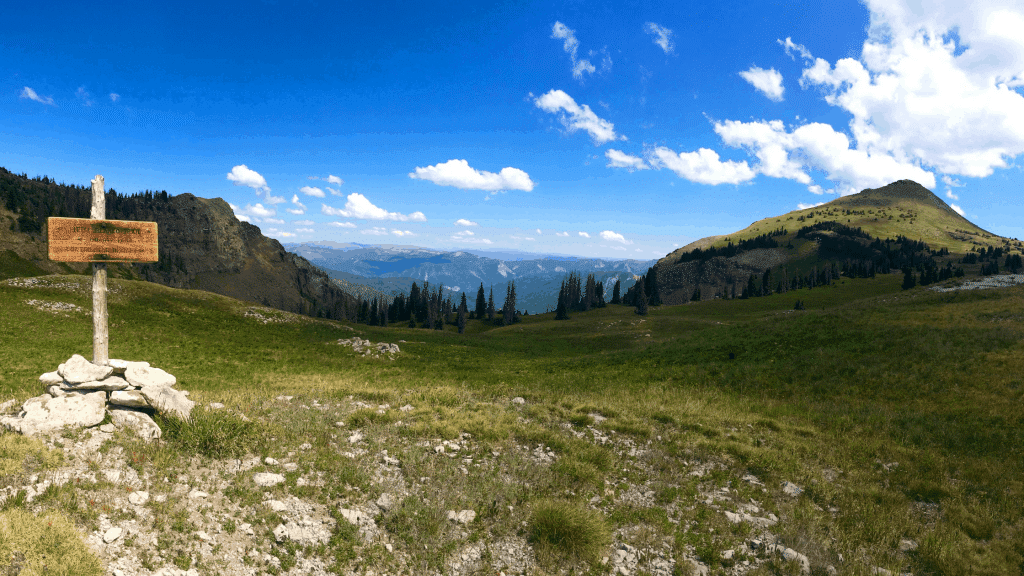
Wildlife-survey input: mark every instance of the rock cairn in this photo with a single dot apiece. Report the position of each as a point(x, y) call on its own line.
point(81, 394)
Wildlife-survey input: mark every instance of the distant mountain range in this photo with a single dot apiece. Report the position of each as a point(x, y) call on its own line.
point(391, 269)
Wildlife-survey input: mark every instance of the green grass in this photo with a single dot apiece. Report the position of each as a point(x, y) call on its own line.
point(867, 374)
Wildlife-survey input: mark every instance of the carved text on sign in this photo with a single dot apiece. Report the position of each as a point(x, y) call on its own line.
point(86, 240)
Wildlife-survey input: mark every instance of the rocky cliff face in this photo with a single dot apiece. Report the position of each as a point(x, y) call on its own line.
point(201, 246)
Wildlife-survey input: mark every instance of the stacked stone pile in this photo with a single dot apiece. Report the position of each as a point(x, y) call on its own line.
point(80, 394)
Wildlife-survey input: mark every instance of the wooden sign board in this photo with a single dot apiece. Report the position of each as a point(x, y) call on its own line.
point(86, 240)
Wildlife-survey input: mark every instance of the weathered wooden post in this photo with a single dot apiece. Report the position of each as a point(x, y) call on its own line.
point(99, 282)
point(99, 241)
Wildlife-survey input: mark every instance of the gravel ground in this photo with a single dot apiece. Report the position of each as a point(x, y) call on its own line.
point(998, 281)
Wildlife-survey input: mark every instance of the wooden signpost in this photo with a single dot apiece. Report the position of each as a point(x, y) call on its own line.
point(100, 241)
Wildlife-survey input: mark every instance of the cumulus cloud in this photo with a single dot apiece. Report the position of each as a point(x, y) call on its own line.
point(333, 191)
point(463, 234)
point(614, 237)
point(802, 206)
point(271, 199)
point(521, 238)
point(663, 36)
point(539, 232)
point(919, 94)
point(114, 97)
point(29, 93)
point(301, 207)
point(312, 191)
point(571, 46)
point(402, 233)
point(375, 231)
point(241, 175)
point(358, 206)
point(332, 179)
point(562, 234)
point(958, 209)
point(303, 222)
point(273, 221)
point(305, 230)
point(584, 234)
point(702, 166)
point(459, 174)
point(342, 224)
point(768, 82)
point(253, 211)
point(296, 211)
point(577, 117)
point(950, 195)
point(619, 159)
point(464, 222)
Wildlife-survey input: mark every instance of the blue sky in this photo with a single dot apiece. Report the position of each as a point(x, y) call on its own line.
point(606, 130)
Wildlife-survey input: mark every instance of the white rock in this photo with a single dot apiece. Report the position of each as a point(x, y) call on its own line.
point(108, 384)
point(267, 479)
point(305, 534)
point(407, 408)
point(168, 401)
point(111, 535)
point(270, 461)
point(143, 376)
point(386, 502)
point(198, 494)
point(462, 516)
point(203, 536)
point(107, 428)
point(140, 422)
point(120, 366)
point(129, 398)
point(305, 446)
point(44, 414)
point(216, 405)
point(518, 400)
point(355, 517)
point(55, 390)
point(907, 545)
point(138, 498)
point(791, 489)
point(51, 378)
point(78, 369)
point(276, 505)
point(291, 467)
point(355, 438)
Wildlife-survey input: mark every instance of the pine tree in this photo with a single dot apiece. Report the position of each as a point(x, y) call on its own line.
point(696, 295)
point(562, 312)
point(641, 299)
point(384, 314)
point(766, 282)
point(490, 306)
point(481, 302)
point(751, 290)
point(374, 313)
point(508, 311)
point(651, 279)
point(600, 295)
point(908, 278)
point(617, 292)
point(463, 308)
point(589, 293)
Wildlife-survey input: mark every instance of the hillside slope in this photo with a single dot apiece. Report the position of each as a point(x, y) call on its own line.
point(201, 246)
point(839, 231)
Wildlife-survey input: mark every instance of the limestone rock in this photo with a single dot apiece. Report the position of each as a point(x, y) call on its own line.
point(108, 384)
point(128, 398)
point(356, 517)
point(462, 516)
point(51, 378)
point(55, 390)
point(143, 425)
point(143, 376)
point(304, 533)
point(386, 502)
point(267, 479)
point(78, 369)
point(166, 400)
point(791, 489)
point(138, 498)
point(44, 414)
point(276, 505)
point(111, 535)
point(6, 406)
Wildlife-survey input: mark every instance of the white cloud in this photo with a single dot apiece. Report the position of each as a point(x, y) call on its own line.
point(958, 209)
point(664, 36)
point(303, 222)
point(459, 174)
point(521, 238)
point(579, 117)
point(279, 233)
point(271, 199)
point(619, 159)
point(333, 191)
point(29, 93)
point(312, 191)
point(539, 232)
point(802, 206)
point(376, 231)
point(114, 97)
point(584, 234)
point(562, 234)
point(358, 206)
point(402, 233)
point(815, 189)
point(768, 82)
point(255, 211)
point(295, 200)
point(241, 175)
point(332, 179)
point(950, 195)
point(614, 237)
point(912, 96)
point(464, 222)
point(818, 146)
point(342, 224)
point(789, 46)
point(242, 218)
point(305, 230)
point(952, 181)
point(296, 211)
point(463, 234)
point(571, 46)
point(702, 166)
point(84, 96)
point(273, 221)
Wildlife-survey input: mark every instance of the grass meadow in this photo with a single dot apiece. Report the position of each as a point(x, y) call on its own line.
point(829, 398)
